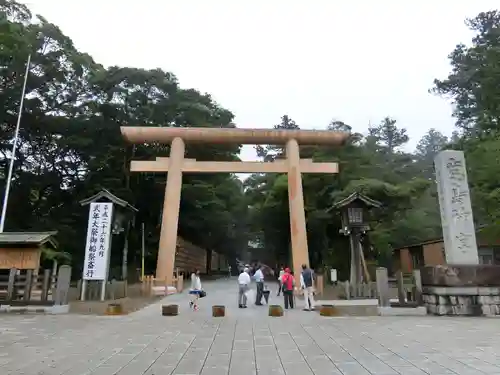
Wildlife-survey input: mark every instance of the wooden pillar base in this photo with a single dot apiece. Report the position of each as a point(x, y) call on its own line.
point(275, 310)
point(328, 310)
point(170, 310)
point(218, 311)
point(114, 309)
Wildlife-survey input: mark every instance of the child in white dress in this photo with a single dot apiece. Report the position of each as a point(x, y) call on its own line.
point(195, 290)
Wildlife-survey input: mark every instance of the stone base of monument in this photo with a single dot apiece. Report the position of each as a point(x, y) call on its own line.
point(401, 311)
point(52, 310)
point(160, 290)
point(470, 290)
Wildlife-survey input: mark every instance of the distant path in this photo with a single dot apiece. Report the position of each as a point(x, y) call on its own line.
point(247, 339)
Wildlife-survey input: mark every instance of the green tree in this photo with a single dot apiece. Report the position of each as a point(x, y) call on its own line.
point(388, 136)
point(427, 148)
point(474, 82)
point(70, 144)
point(271, 152)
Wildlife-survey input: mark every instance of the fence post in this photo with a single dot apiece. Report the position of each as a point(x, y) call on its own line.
point(11, 284)
point(401, 287)
point(45, 285)
point(319, 284)
point(180, 283)
point(417, 280)
point(383, 287)
point(111, 289)
point(62, 286)
point(27, 285)
point(347, 289)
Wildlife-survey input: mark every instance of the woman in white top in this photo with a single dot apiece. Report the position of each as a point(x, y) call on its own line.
point(195, 290)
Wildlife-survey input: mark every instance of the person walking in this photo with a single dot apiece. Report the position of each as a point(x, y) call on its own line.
point(195, 290)
point(259, 281)
point(288, 286)
point(280, 280)
point(307, 286)
point(243, 288)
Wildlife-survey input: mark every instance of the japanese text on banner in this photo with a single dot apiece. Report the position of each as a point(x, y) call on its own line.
point(98, 241)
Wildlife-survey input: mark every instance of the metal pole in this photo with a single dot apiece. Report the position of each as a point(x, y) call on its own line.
point(143, 251)
point(110, 246)
point(84, 290)
point(14, 147)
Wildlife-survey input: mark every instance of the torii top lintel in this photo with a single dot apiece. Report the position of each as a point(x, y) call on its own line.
point(147, 134)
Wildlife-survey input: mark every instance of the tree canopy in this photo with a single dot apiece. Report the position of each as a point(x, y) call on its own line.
point(70, 147)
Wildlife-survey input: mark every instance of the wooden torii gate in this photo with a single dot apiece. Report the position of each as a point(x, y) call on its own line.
point(176, 165)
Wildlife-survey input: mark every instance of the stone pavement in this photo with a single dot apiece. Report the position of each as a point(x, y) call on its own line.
point(245, 342)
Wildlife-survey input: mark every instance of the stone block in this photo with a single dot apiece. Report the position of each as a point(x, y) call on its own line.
point(495, 309)
point(451, 291)
point(442, 310)
point(382, 286)
point(218, 311)
point(114, 309)
point(402, 311)
point(328, 310)
point(275, 310)
point(62, 285)
point(58, 309)
point(170, 310)
point(486, 309)
point(489, 291)
point(484, 275)
point(160, 290)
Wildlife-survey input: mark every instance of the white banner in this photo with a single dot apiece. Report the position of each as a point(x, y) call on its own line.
point(98, 241)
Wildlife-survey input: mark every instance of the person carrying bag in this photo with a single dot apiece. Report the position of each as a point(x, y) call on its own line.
point(195, 291)
point(288, 282)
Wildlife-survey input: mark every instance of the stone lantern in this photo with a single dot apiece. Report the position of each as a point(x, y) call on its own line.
point(353, 211)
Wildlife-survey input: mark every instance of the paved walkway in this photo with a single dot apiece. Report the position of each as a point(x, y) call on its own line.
point(246, 342)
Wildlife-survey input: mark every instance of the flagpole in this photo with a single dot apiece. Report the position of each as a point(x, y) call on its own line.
point(14, 148)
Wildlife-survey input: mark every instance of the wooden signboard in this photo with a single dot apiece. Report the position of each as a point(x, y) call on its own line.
point(22, 259)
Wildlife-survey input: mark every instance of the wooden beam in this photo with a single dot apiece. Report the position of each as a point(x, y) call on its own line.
point(191, 165)
point(147, 134)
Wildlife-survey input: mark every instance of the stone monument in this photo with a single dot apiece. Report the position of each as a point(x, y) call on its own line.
point(462, 286)
point(459, 234)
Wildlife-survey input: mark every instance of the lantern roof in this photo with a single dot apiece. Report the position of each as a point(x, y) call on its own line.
point(357, 197)
point(107, 195)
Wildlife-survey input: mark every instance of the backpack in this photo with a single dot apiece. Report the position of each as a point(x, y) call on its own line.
point(307, 276)
point(287, 282)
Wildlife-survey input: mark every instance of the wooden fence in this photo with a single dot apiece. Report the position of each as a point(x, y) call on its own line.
point(148, 282)
point(403, 286)
point(345, 290)
point(29, 288)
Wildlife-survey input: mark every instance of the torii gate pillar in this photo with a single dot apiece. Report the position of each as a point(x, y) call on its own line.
point(170, 215)
point(298, 231)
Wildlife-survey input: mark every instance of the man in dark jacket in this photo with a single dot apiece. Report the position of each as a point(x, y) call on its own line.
point(307, 286)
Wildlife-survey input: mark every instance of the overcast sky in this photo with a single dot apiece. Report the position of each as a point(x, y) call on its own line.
point(317, 60)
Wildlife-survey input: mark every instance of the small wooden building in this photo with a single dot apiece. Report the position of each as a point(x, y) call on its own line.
point(23, 250)
point(431, 253)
